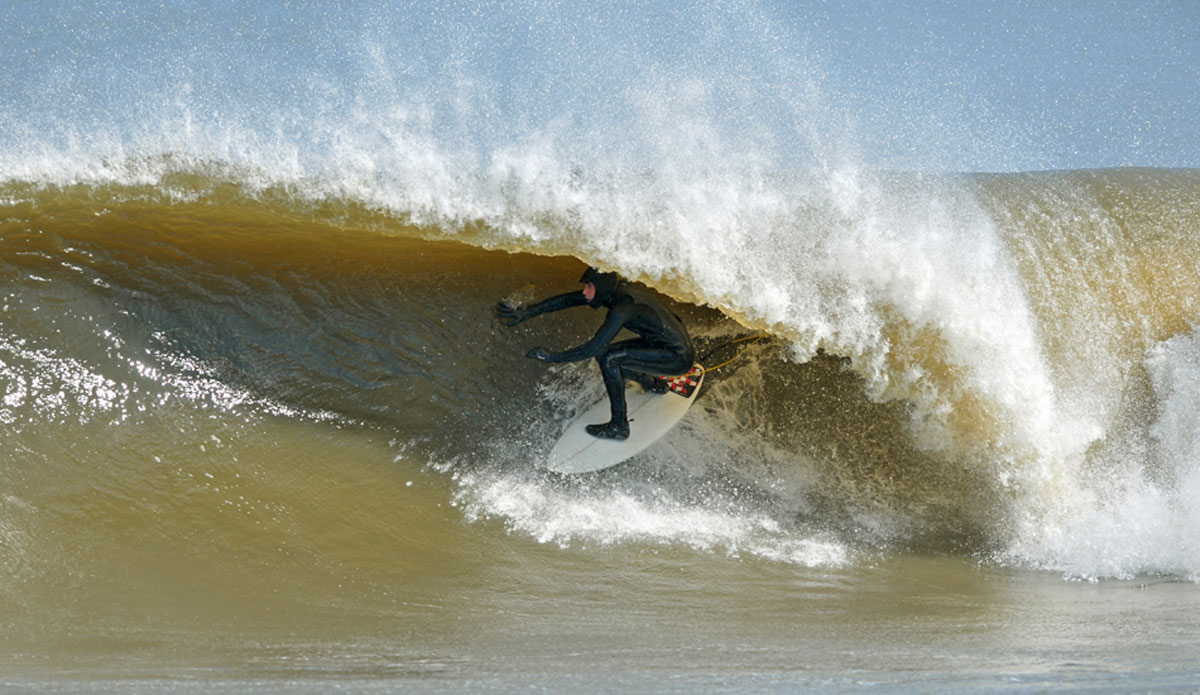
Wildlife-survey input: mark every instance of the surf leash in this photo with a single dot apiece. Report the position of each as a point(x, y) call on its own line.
point(748, 339)
point(685, 384)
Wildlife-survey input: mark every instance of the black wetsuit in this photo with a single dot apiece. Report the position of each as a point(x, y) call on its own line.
point(662, 348)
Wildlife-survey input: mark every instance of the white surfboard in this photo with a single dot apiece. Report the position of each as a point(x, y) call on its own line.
point(650, 417)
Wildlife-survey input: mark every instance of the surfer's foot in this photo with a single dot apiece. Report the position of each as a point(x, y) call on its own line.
point(609, 430)
point(651, 384)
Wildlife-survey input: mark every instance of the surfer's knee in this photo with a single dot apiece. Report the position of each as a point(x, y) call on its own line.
point(610, 359)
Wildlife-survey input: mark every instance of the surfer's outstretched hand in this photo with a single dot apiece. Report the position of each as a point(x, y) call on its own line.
point(538, 353)
point(509, 314)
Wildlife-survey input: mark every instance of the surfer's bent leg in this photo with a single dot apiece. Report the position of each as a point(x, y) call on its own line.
point(631, 356)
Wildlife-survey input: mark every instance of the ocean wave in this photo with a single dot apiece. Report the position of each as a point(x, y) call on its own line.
point(1001, 321)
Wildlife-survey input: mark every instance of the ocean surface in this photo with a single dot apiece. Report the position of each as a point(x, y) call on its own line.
point(260, 430)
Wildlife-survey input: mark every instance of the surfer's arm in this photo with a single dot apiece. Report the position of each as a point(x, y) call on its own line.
point(612, 325)
point(514, 315)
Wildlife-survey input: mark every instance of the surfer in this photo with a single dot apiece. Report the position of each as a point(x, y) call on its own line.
point(663, 347)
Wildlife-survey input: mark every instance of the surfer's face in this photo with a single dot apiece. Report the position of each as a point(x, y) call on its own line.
point(589, 291)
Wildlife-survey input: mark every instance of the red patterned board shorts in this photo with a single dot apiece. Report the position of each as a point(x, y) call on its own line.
point(685, 384)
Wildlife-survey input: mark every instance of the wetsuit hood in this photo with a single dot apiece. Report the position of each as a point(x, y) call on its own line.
point(606, 286)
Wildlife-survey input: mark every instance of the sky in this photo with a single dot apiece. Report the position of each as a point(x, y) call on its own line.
point(917, 84)
point(1060, 84)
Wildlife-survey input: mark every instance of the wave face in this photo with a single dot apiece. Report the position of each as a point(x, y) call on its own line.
point(247, 271)
point(999, 364)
